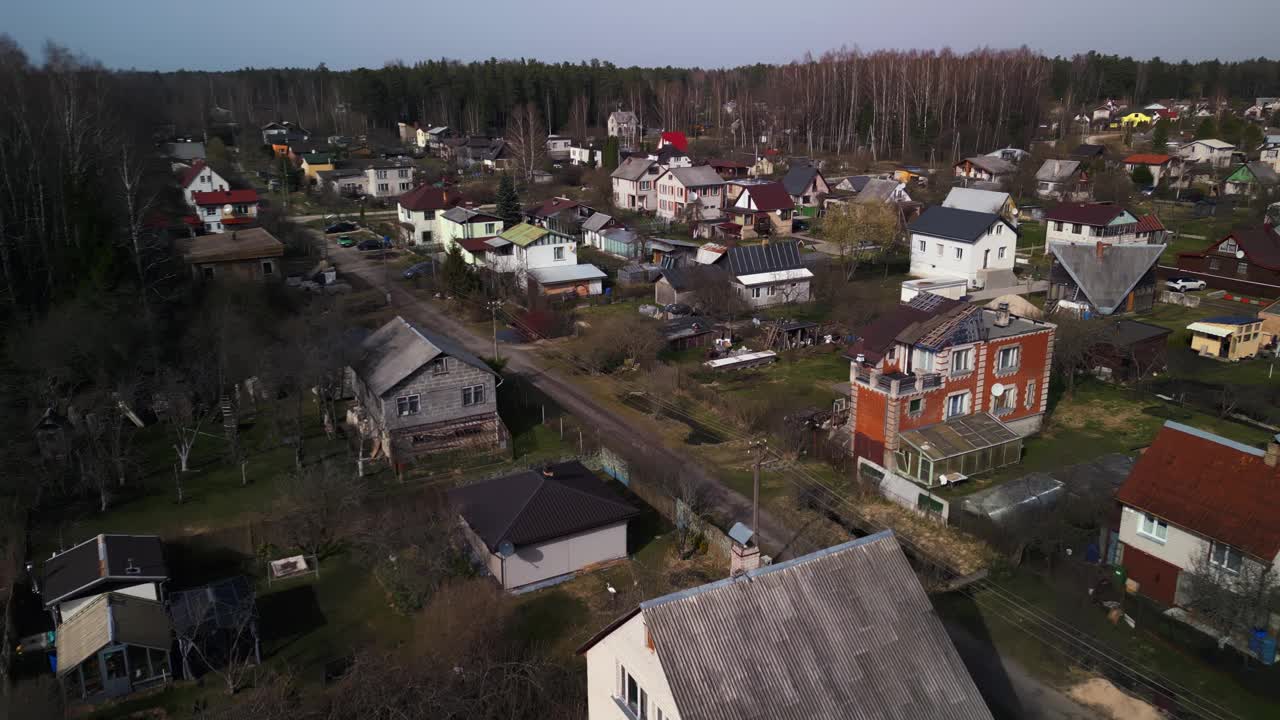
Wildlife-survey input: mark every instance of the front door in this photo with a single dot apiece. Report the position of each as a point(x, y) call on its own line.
point(114, 673)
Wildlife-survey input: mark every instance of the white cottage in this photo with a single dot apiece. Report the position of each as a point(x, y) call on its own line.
point(952, 243)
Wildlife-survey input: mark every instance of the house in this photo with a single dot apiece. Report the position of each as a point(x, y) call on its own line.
point(537, 527)
point(729, 169)
point(315, 163)
point(806, 186)
point(1159, 164)
point(1010, 155)
point(765, 275)
point(1102, 114)
point(635, 184)
point(674, 138)
point(560, 214)
point(1126, 350)
point(1227, 337)
point(1270, 317)
point(987, 201)
point(347, 182)
point(419, 210)
point(670, 156)
point(199, 178)
point(386, 177)
point(524, 247)
point(185, 150)
point(558, 147)
point(1247, 260)
point(882, 191)
point(581, 280)
point(911, 175)
point(1197, 502)
point(951, 243)
point(594, 227)
point(940, 386)
point(671, 252)
point(1252, 179)
point(1102, 279)
point(252, 254)
point(586, 154)
point(845, 632)
point(1063, 179)
point(1166, 114)
point(760, 208)
point(280, 134)
point(684, 285)
point(690, 193)
point(620, 241)
point(423, 394)
point(117, 644)
point(1136, 119)
point(1212, 152)
point(460, 223)
point(224, 210)
point(1269, 153)
point(624, 125)
point(984, 168)
point(1099, 222)
point(130, 565)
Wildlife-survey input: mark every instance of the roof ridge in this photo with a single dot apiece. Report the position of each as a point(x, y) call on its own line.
point(1214, 437)
point(542, 483)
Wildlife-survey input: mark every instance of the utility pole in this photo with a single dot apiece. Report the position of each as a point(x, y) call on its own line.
point(493, 314)
point(759, 446)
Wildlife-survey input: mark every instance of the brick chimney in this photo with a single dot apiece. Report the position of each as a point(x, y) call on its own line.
point(1002, 315)
point(1273, 451)
point(1100, 250)
point(744, 558)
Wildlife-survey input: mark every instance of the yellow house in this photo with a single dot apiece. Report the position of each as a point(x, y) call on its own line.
point(1135, 119)
point(313, 163)
point(1270, 317)
point(1227, 337)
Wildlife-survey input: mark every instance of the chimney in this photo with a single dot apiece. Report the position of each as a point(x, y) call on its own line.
point(745, 558)
point(1002, 315)
point(1100, 250)
point(1273, 451)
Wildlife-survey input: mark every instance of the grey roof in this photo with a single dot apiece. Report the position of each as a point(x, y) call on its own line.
point(623, 116)
point(596, 222)
point(463, 215)
point(1125, 332)
point(567, 273)
point(697, 176)
point(878, 190)
point(398, 349)
point(955, 224)
point(1106, 281)
point(993, 165)
point(856, 182)
point(621, 235)
point(798, 178)
point(1017, 325)
point(845, 632)
point(633, 168)
point(103, 563)
point(688, 326)
point(752, 259)
point(1057, 170)
point(187, 150)
point(1263, 172)
point(988, 201)
point(689, 278)
point(531, 507)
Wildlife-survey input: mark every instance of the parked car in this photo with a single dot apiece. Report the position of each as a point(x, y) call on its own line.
point(1183, 284)
point(371, 244)
point(346, 241)
point(416, 269)
point(341, 227)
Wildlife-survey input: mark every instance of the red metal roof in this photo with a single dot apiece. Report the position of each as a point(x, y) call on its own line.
point(1085, 213)
point(726, 164)
point(1149, 223)
point(225, 197)
point(475, 245)
point(677, 139)
point(1209, 485)
point(428, 197)
point(770, 196)
point(552, 206)
point(190, 173)
point(244, 220)
point(1147, 159)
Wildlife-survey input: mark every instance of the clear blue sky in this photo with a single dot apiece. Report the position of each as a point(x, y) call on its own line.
point(228, 34)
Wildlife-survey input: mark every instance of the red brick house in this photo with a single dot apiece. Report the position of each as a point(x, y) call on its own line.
point(1246, 261)
point(940, 387)
point(1196, 500)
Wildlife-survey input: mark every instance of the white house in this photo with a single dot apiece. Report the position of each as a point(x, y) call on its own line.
point(717, 651)
point(1098, 222)
point(1270, 152)
point(1197, 503)
point(558, 147)
point(951, 243)
point(635, 184)
point(989, 201)
point(682, 188)
point(588, 154)
point(525, 247)
point(387, 178)
point(458, 223)
point(223, 210)
point(763, 275)
point(200, 178)
point(1214, 152)
point(419, 212)
point(131, 565)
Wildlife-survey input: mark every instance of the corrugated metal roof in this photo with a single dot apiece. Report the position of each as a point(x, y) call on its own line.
point(954, 224)
point(567, 273)
point(987, 201)
point(1106, 280)
point(524, 234)
point(847, 632)
point(398, 349)
point(755, 259)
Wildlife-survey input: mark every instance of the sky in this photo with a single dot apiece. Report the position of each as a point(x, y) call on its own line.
point(344, 34)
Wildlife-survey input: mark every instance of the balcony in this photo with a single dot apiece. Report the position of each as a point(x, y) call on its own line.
point(896, 383)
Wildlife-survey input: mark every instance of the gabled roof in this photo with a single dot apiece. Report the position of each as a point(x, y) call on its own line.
point(697, 176)
point(1148, 224)
point(551, 206)
point(845, 632)
point(597, 222)
point(954, 224)
point(633, 168)
point(1212, 486)
point(754, 259)
point(987, 201)
point(532, 507)
point(1057, 170)
point(677, 139)
point(878, 190)
point(101, 563)
point(1125, 332)
point(769, 196)
point(523, 234)
point(623, 116)
point(992, 165)
point(1147, 159)
point(798, 179)
point(875, 338)
point(189, 175)
point(1255, 171)
point(682, 279)
point(1212, 143)
point(427, 197)
point(1093, 214)
point(1106, 280)
point(224, 197)
point(398, 349)
point(1259, 244)
point(462, 216)
point(111, 618)
point(1088, 151)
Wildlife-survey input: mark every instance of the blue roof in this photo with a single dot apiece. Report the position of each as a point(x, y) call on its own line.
point(1230, 319)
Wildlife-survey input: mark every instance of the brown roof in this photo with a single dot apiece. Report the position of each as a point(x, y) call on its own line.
point(550, 207)
point(428, 197)
point(1259, 244)
point(1209, 485)
point(250, 244)
point(477, 244)
point(770, 196)
point(1085, 213)
point(1149, 223)
point(1147, 159)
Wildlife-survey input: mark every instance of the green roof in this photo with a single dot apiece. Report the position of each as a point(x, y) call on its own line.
point(524, 234)
point(317, 158)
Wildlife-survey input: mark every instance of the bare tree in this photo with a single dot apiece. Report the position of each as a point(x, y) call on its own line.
point(526, 139)
point(1232, 592)
point(861, 231)
point(220, 633)
point(317, 504)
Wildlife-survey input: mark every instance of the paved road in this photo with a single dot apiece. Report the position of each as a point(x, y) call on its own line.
point(626, 437)
point(367, 213)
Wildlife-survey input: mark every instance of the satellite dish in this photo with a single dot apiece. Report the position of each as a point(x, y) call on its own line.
point(506, 549)
point(228, 209)
point(997, 389)
point(1239, 254)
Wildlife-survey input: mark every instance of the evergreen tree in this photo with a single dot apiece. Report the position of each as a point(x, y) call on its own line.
point(1251, 138)
point(1207, 130)
point(458, 278)
point(1160, 136)
point(611, 154)
point(508, 201)
point(1142, 176)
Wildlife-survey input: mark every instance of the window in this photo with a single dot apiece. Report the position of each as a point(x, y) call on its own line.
point(1007, 359)
point(1000, 253)
point(558, 252)
point(407, 405)
point(1075, 228)
point(957, 405)
point(91, 674)
point(959, 253)
point(773, 290)
point(1006, 402)
point(1215, 264)
point(404, 173)
point(1225, 557)
point(755, 292)
point(382, 174)
point(207, 272)
point(644, 184)
point(1031, 394)
point(923, 246)
point(1057, 226)
point(999, 227)
point(1153, 527)
point(1242, 268)
point(633, 696)
point(210, 211)
point(915, 406)
point(488, 228)
point(384, 187)
point(961, 361)
point(473, 395)
point(1228, 246)
point(440, 366)
point(939, 249)
point(268, 268)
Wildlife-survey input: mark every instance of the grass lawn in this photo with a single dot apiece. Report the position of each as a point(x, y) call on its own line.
point(1031, 235)
point(806, 376)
